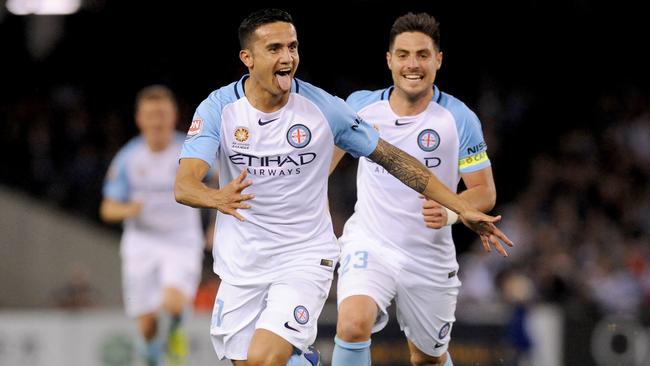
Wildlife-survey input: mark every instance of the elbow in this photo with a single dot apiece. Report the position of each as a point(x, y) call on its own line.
point(492, 199)
point(178, 194)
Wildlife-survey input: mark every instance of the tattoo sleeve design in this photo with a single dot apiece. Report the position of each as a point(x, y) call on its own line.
point(401, 165)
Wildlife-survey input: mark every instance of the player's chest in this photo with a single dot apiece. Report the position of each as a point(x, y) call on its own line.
point(284, 133)
point(426, 138)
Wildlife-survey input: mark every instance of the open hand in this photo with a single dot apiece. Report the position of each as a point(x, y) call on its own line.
point(230, 198)
point(483, 225)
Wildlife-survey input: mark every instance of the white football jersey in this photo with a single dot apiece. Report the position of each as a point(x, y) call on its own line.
point(139, 174)
point(287, 154)
point(446, 137)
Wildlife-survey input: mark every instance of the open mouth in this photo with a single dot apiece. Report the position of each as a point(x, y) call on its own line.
point(283, 72)
point(413, 77)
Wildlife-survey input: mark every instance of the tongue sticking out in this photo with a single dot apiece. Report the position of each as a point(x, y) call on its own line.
point(284, 81)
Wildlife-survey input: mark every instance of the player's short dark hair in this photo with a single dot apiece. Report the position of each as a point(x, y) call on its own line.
point(155, 92)
point(421, 22)
point(258, 19)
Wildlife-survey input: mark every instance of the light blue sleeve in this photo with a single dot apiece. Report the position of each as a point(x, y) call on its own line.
point(351, 133)
point(360, 99)
point(472, 149)
point(116, 183)
point(203, 137)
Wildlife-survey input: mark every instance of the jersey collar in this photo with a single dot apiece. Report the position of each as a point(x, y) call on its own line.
point(385, 95)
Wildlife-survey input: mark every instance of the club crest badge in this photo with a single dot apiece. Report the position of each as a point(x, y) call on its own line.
point(428, 140)
point(444, 331)
point(301, 314)
point(298, 136)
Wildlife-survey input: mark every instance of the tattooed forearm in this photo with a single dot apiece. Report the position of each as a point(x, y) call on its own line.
point(402, 165)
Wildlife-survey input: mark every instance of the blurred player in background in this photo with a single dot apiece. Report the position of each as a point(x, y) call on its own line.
point(162, 243)
point(388, 250)
point(276, 255)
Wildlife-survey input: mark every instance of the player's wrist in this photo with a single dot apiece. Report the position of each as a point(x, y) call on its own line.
point(452, 217)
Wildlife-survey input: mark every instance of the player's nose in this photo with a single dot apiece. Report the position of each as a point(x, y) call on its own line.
point(412, 63)
point(285, 55)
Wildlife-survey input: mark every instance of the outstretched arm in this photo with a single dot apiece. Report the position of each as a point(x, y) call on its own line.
point(191, 191)
point(415, 175)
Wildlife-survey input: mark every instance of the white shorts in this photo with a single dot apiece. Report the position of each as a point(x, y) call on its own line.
point(145, 273)
point(289, 308)
point(424, 313)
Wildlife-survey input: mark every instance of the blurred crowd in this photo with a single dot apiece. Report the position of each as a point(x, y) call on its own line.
point(581, 219)
point(575, 200)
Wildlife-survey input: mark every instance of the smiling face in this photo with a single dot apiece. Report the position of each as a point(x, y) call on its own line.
point(272, 58)
point(413, 61)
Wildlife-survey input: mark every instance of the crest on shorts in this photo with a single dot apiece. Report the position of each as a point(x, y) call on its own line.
point(428, 140)
point(298, 136)
point(241, 134)
point(444, 330)
point(301, 314)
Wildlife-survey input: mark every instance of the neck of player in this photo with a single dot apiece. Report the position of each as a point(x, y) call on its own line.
point(263, 99)
point(404, 104)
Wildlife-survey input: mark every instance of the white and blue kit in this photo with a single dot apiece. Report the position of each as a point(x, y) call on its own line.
point(277, 266)
point(387, 251)
point(163, 245)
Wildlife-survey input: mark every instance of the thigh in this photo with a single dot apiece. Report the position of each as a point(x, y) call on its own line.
point(142, 291)
point(426, 314)
point(364, 272)
point(269, 348)
point(293, 307)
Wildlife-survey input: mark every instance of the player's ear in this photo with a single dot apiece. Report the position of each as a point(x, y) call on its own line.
point(246, 56)
point(438, 60)
point(389, 57)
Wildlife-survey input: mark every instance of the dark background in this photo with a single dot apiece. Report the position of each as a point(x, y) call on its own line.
point(559, 57)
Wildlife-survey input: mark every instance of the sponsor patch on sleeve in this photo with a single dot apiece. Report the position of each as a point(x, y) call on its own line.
point(195, 127)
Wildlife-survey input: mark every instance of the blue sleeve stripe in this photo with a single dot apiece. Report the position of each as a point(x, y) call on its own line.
point(297, 86)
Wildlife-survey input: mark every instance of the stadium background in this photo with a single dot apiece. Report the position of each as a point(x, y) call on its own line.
point(562, 92)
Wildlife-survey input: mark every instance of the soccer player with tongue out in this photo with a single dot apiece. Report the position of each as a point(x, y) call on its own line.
point(272, 138)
